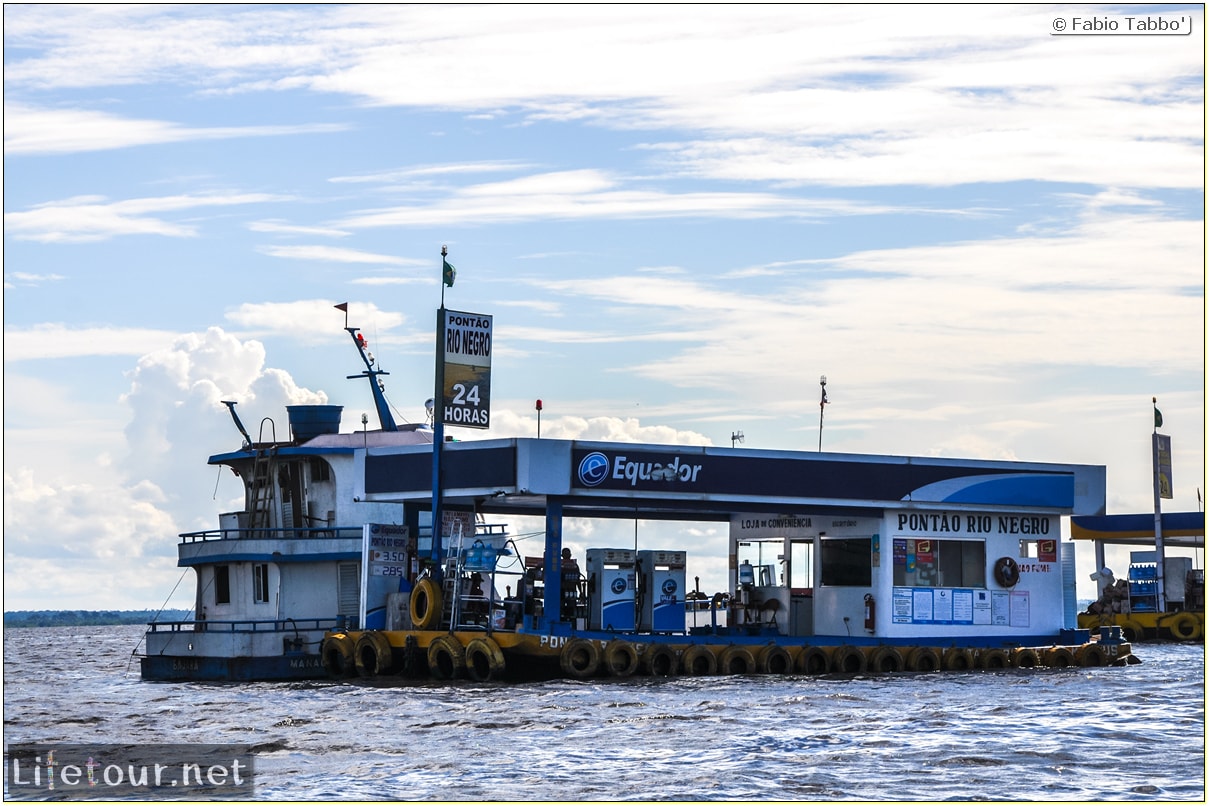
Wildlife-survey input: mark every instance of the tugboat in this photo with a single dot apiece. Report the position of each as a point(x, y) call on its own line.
point(276, 576)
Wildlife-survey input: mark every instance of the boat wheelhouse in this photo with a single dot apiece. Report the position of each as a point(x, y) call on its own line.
point(278, 574)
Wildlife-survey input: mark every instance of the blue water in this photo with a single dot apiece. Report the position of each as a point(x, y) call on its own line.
point(1132, 733)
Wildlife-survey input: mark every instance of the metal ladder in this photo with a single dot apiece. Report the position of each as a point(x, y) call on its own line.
point(260, 509)
point(451, 587)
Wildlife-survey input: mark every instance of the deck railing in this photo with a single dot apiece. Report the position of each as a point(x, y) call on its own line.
point(247, 625)
point(292, 533)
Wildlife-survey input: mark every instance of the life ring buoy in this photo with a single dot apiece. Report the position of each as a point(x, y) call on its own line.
point(337, 654)
point(813, 660)
point(620, 658)
point(886, 659)
point(1007, 572)
point(446, 658)
point(1132, 631)
point(957, 659)
point(849, 660)
point(736, 660)
point(373, 654)
point(774, 659)
point(993, 659)
point(580, 658)
point(1091, 655)
point(1059, 657)
point(1025, 658)
point(484, 660)
point(659, 661)
point(1185, 627)
point(698, 660)
point(425, 604)
point(923, 659)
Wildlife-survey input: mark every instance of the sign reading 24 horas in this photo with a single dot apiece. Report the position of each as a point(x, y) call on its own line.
point(466, 398)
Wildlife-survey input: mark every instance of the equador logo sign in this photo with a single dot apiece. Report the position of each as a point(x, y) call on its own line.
point(596, 468)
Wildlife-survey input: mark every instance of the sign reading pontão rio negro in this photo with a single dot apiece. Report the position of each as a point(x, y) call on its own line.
point(466, 397)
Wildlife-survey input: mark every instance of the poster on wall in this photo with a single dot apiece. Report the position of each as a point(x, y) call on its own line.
point(1019, 609)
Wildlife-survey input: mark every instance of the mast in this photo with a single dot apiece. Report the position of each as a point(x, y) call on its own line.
point(384, 416)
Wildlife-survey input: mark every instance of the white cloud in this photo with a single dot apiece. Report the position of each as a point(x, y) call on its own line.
point(30, 131)
point(93, 218)
point(297, 319)
point(57, 340)
point(804, 94)
point(329, 254)
point(592, 194)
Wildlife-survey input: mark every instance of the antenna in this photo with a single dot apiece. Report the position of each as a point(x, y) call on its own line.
point(736, 436)
point(823, 401)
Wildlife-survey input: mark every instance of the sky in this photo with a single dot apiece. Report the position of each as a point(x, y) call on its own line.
point(989, 238)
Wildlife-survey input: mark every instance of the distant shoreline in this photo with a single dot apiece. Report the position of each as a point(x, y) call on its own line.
point(89, 618)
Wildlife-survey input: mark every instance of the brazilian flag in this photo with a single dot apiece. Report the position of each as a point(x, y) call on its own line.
point(449, 272)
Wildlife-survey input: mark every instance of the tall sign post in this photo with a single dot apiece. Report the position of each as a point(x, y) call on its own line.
point(463, 386)
point(1160, 452)
point(438, 420)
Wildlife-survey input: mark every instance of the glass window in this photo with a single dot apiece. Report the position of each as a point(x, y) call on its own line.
point(766, 559)
point(929, 563)
point(846, 561)
point(222, 584)
point(260, 582)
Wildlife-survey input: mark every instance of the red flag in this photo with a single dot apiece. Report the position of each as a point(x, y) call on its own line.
point(343, 306)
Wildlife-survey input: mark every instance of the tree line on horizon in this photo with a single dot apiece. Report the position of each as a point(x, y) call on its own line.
point(89, 618)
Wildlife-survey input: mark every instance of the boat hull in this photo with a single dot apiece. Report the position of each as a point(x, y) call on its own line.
point(254, 669)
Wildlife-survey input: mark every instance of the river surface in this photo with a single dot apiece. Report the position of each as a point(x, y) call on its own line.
point(1134, 733)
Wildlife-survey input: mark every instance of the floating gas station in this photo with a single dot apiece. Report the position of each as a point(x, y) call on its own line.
point(850, 554)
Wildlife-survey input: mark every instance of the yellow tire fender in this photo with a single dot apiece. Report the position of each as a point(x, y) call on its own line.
point(1025, 658)
point(1184, 627)
point(886, 659)
point(425, 604)
point(337, 654)
point(774, 659)
point(993, 659)
point(698, 660)
point(849, 660)
point(580, 658)
point(446, 658)
point(659, 660)
point(1091, 655)
point(620, 658)
point(484, 660)
point(736, 660)
point(373, 654)
point(923, 659)
point(813, 660)
point(1059, 657)
point(957, 659)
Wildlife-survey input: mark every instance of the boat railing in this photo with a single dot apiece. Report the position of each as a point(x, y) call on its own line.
point(292, 533)
point(246, 625)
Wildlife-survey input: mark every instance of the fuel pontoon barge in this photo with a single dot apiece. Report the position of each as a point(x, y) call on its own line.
point(836, 562)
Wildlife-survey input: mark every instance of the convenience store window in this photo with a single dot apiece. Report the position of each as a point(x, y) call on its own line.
point(846, 561)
